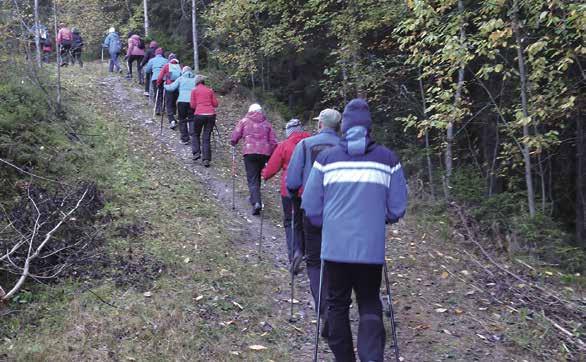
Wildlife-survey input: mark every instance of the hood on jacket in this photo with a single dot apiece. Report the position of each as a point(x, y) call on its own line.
point(356, 113)
point(356, 141)
point(187, 74)
point(256, 117)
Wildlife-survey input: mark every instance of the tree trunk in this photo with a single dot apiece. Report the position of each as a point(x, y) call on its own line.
point(194, 36)
point(457, 100)
point(58, 62)
point(580, 180)
point(146, 18)
point(525, 110)
point(37, 34)
point(427, 150)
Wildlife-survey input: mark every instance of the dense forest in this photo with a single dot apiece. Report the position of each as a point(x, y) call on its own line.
point(483, 100)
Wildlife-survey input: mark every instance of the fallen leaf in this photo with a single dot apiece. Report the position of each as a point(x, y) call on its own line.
point(445, 275)
point(257, 347)
point(186, 260)
point(148, 294)
point(458, 311)
point(235, 353)
point(481, 336)
point(441, 310)
point(238, 305)
point(447, 332)
point(199, 298)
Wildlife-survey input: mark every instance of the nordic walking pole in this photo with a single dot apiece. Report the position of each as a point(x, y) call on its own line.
point(390, 313)
point(262, 216)
point(233, 178)
point(321, 280)
point(292, 271)
point(155, 107)
point(163, 108)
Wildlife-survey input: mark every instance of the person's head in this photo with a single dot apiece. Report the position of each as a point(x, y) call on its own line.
point(329, 118)
point(255, 107)
point(62, 25)
point(200, 79)
point(356, 113)
point(171, 56)
point(174, 61)
point(293, 126)
point(159, 51)
point(75, 30)
point(154, 44)
point(185, 69)
point(111, 30)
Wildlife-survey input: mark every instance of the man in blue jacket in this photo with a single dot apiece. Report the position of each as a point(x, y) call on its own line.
point(154, 67)
point(354, 189)
point(297, 174)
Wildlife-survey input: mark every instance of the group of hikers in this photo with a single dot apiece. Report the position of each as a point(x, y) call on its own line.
point(68, 42)
point(338, 188)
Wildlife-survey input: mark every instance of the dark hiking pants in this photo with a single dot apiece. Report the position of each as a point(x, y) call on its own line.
point(158, 94)
point(170, 104)
point(365, 279)
point(114, 66)
point(147, 84)
point(313, 261)
point(294, 241)
point(202, 123)
point(138, 60)
point(254, 163)
point(76, 57)
point(185, 115)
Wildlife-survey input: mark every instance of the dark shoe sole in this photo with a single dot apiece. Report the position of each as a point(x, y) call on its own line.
point(196, 156)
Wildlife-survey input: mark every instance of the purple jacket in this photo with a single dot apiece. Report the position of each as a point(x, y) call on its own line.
point(257, 132)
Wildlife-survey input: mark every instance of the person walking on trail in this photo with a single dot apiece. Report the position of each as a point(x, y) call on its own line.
point(280, 161)
point(168, 74)
point(259, 142)
point(353, 190)
point(298, 171)
point(135, 53)
point(64, 40)
point(46, 45)
point(148, 55)
point(112, 43)
point(204, 103)
point(76, 47)
point(184, 84)
point(154, 67)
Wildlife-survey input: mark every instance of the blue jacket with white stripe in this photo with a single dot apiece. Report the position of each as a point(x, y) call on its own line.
point(302, 159)
point(355, 188)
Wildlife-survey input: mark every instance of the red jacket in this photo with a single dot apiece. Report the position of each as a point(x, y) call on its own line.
point(281, 157)
point(164, 74)
point(203, 100)
point(64, 34)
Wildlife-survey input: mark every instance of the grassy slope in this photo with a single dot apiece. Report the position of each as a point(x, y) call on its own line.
point(194, 308)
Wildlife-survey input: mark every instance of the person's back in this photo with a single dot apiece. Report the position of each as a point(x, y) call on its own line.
point(203, 100)
point(257, 134)
point(64, 36)
point(77, 40)
point(134, 46)
point(354, 189)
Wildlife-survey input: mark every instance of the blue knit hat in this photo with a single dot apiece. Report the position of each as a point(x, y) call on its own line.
point(292, 126)
point(355, 114)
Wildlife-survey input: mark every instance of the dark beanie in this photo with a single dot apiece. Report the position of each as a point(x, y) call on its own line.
point(355, 114)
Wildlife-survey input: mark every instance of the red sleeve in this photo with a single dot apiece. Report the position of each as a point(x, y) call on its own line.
point(163, 74)
point(275, 163)
point(192, 101)
point(214, 99)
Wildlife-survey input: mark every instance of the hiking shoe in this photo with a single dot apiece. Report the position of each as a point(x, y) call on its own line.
point(256, 209)
point(173, 125)
point(206, 163)
point(196, 156)
point(295, 267)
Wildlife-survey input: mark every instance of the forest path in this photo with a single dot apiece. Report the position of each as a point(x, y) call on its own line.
point(441, 314)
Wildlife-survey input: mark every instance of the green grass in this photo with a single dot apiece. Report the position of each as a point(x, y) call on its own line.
point(193, 307)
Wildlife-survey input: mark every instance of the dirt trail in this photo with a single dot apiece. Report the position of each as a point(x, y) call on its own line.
point(440, 315)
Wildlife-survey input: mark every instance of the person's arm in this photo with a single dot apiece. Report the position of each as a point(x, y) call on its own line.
point(214, 99)
point(173, 86)
point(106, 43)
point(193, 100)
point(295, 170)
point(163, 74)
point(275, 163)
point(145, 58)
point(397, 194)
point(149, 67)
point(237, 132)
point(130, 47)
point(313, 195)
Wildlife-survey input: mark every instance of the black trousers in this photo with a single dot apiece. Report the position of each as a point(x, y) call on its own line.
point(365, 280)
point(158, 90)
point(138, 60)
point(206, 124)
point(147, 82)
point(185, 115)
point(254, 163)
point(313, 261)
point(76, 56)
point(170, 104)
point(293, 233)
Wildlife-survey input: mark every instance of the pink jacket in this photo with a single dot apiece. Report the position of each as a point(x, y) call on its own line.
point(257, 132)
point(133, 48)
point(64, 34)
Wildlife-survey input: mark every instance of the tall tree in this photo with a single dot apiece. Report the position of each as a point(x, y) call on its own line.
point(37, 33)
point(146, 17)
point(194, 36)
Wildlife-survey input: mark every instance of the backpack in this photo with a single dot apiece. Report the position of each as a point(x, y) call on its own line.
point(174, 71)
point(140, 43)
